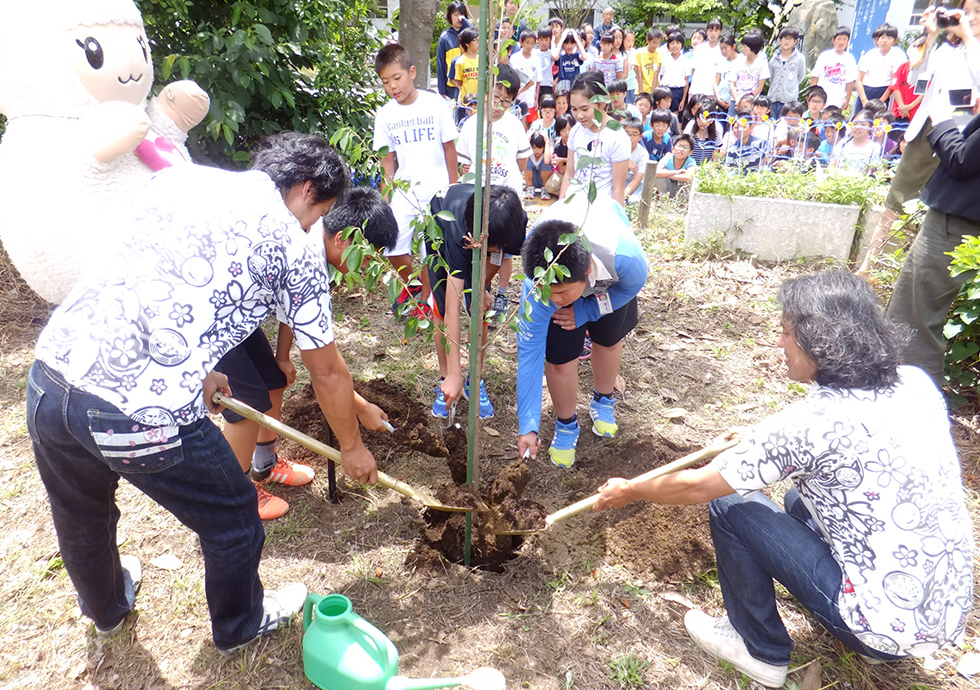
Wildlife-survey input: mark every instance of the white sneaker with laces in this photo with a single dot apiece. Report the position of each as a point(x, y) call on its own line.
point(719, 639)
point(278, 607)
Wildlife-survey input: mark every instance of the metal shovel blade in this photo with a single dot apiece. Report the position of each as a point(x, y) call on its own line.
point(323, 449)
point(587, 503)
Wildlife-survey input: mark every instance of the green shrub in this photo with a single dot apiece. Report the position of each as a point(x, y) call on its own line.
point(268, 65)
point(962, 329)
point(791, 183)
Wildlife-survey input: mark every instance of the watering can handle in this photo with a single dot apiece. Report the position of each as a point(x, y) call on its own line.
point(381, 643)
point(311, 601)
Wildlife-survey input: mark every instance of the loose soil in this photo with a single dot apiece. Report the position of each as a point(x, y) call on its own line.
point(564, 609)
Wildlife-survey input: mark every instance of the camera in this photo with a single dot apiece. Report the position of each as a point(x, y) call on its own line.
point(946, 18)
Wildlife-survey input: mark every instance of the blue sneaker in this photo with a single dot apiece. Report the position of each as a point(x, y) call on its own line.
point(562, 449)
point(486, 407)
point(439, 408)
point(603, 415)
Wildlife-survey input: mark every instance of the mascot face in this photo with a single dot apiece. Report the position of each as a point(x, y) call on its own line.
point(112, 61)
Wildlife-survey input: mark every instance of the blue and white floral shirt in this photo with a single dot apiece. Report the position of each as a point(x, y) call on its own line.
point(211, 256)
point(880, 475)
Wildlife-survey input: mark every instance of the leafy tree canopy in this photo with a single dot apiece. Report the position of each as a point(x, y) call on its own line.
point(268, 65)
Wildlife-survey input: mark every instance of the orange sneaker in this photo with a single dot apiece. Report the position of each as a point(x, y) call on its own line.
point(270, 507)
point(285, 472)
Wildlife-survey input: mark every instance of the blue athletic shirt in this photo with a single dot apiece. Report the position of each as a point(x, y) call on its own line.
point(619, 268)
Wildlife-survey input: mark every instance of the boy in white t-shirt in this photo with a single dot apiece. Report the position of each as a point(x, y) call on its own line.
point(836, 71)
point(529, 65)
point(876, 67)
point(506, 154)
point(638, 159)
point(675, 72)
point(418, 128)
point(546, 86)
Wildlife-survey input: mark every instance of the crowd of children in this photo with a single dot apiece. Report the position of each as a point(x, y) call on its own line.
point(574, 110)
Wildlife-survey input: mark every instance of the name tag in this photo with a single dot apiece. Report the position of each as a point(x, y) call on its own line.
point(497, 258)
point(605, 305)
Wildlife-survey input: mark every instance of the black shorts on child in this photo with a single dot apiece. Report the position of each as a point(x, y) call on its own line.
point(564, 346)
point(252, 372)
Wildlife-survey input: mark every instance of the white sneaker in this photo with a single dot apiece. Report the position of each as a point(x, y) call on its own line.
point(719, 639)
point(132, 579)
point(278, 607)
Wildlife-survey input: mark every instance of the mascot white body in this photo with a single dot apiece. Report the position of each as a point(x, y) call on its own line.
point(81, 139)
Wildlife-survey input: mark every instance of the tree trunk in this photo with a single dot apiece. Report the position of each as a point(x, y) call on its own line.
point(415, 21)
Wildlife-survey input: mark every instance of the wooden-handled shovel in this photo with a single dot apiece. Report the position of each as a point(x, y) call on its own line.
point(323, 449)
point(587, 503)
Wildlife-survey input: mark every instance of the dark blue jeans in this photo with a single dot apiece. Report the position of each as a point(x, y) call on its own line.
point(756, 543)
point(82, 446)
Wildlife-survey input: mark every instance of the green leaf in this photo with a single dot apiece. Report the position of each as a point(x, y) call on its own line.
point(185, 67)
point(549, 255)
point(445, 215)
point(262, 31)
point(614, 125)
point(167, 67)
point(592, 191)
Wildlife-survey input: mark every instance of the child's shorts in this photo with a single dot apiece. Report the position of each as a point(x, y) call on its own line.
point(252, 372)
point(564, 346)
point(405, 212)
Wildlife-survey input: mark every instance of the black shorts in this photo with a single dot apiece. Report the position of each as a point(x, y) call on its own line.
point(564, 346)
point(252, 372)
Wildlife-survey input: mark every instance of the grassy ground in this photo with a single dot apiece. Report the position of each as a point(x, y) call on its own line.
point(579, 607)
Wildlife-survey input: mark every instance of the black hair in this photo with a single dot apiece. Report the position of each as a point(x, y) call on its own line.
point(865, 114)
point(702, 32)
point(728, 40)
point(508, 78)
point(556, 20)
point(547, 101)
point(545, 32)
point(607, 38)
point(467, 36)
point(528, 34)
point(672, 28)
point(560, 93)
point(660, 93)
point(835, 319)
point(715, 24)
point(563, 121)
point(675, 37)
point(683, 136)
point(507, 223)
point(291, 158)
point(392, 54)
point(592, 84)
point(791, 31)
point(709, 107)
point(754, 41)
point(660, 115)
point(536, 140)
point(876, 106)
point(842, 31)
point(813, 140)
point(365, 208)
point(617, 86)
point(763, 101)
point(569, 38)
point(818, 91)
point(507, 20)
point(545, 235)
point(456, 6)
point(794, 107)
point(632, 123)
point(830, 110)
point(645, 96)
point(653, 33)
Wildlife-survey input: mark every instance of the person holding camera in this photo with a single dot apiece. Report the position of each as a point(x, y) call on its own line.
point(950, 69)
point(925, 290)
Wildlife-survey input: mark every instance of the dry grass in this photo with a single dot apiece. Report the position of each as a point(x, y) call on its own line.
point(563, 610)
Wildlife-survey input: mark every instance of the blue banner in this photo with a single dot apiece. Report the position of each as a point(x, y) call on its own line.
point(868, 16)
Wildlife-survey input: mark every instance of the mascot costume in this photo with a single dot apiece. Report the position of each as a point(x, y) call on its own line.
point(81, 139)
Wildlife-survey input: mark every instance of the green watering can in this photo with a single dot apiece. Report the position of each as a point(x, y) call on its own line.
point(342, 651)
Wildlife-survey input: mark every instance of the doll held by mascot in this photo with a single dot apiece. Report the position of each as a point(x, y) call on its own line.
point(81, 139)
